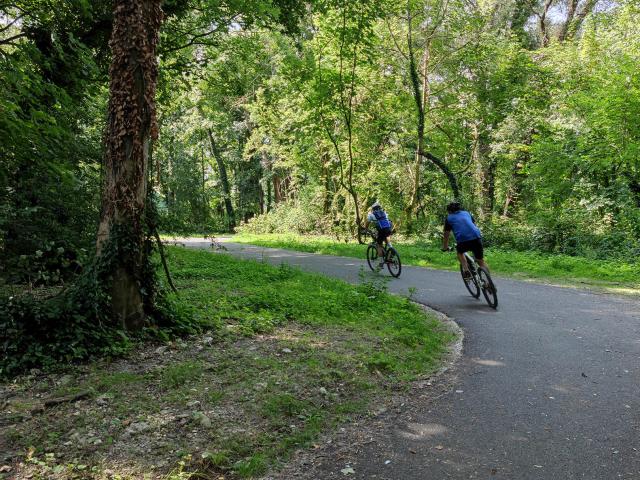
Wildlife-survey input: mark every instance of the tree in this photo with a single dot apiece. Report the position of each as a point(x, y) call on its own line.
point(131, 127)
point(421, 93)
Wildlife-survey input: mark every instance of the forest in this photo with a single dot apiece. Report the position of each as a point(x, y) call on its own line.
point(525, 111)
point(125, 123)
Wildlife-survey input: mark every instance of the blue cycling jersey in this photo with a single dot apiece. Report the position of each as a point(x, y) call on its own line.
point(461, 222)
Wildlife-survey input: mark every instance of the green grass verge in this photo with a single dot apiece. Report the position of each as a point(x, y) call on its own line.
point(526, 265)
point(284, 356)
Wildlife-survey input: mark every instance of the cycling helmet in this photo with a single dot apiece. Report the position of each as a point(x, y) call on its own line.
point(376, 205)
point(454, 206)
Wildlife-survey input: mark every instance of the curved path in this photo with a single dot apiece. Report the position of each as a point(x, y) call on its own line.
point(548, 386)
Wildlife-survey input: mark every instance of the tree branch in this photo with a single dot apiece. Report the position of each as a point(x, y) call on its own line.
point(10, 40)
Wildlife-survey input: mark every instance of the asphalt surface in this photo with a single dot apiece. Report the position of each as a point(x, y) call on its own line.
point(548, 386)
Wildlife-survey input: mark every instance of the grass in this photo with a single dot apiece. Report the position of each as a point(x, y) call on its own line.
point(284, 356)
point(526, 265)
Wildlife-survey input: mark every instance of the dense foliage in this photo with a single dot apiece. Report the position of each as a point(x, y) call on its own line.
point(536, 122)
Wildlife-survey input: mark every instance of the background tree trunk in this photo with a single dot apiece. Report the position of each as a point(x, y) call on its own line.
point(224, 180)
point(420, 102)
point(131, 126)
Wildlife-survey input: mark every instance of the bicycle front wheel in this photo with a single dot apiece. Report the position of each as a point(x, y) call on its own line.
point(471, 283)
point(488, 288)
point(393, 262)
point(372, 256)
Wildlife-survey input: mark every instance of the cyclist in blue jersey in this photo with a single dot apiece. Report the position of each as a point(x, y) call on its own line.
point(467, 235)
point(378, 218)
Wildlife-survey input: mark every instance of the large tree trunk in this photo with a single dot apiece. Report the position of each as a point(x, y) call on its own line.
point(224, 180)
point(130, 128)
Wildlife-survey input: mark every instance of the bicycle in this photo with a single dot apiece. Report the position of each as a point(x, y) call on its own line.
point(479, 280)
point(390, 255)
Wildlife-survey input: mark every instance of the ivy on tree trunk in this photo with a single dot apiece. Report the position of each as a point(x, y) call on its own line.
point(131, 126)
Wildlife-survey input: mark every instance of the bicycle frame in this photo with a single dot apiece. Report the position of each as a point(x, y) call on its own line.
point(389, 255)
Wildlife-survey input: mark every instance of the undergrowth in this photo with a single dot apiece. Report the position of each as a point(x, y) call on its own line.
point(283, 356)
point(74, 323)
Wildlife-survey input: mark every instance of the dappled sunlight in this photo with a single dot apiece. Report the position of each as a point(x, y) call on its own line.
point(561, 389)
point(292, 336)
point(422, 431)
point(488, 363)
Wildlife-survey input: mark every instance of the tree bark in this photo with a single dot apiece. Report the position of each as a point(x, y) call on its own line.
point(578, 20)
point(572, 5)
point(326, 181)
point(424, 102)
point(205, 206)
point(544, 35)
point(131, 126)
point(277, 188)
point(224, 180)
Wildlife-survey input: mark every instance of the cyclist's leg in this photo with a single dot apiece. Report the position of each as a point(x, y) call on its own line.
point(379, 241)
point(478, 253)
point(463, 261)
point(461, 248)
point(383, 238)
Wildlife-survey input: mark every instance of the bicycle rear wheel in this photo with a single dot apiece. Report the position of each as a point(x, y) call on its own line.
point(372, 256)
point(471, 283)
point(393, 262)
point(488, 288)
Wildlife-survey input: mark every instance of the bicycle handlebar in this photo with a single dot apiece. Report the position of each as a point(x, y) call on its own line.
point(366, 231)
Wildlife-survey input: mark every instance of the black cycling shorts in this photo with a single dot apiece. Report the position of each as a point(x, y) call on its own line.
point(474, 246)
point(383, 233)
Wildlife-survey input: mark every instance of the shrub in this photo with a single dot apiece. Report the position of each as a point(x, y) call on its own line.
point(285, 218)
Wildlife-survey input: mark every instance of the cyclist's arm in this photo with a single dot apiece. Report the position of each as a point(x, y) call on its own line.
point(445, 239)
point(446, 234)
point(368, 221)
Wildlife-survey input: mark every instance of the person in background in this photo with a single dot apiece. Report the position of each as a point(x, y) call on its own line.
point(380, 220)
point(467, 235)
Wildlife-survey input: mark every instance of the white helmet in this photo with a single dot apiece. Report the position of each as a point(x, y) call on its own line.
point(375, 205)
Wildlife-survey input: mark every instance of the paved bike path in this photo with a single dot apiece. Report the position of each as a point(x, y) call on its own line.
point(548, 386)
